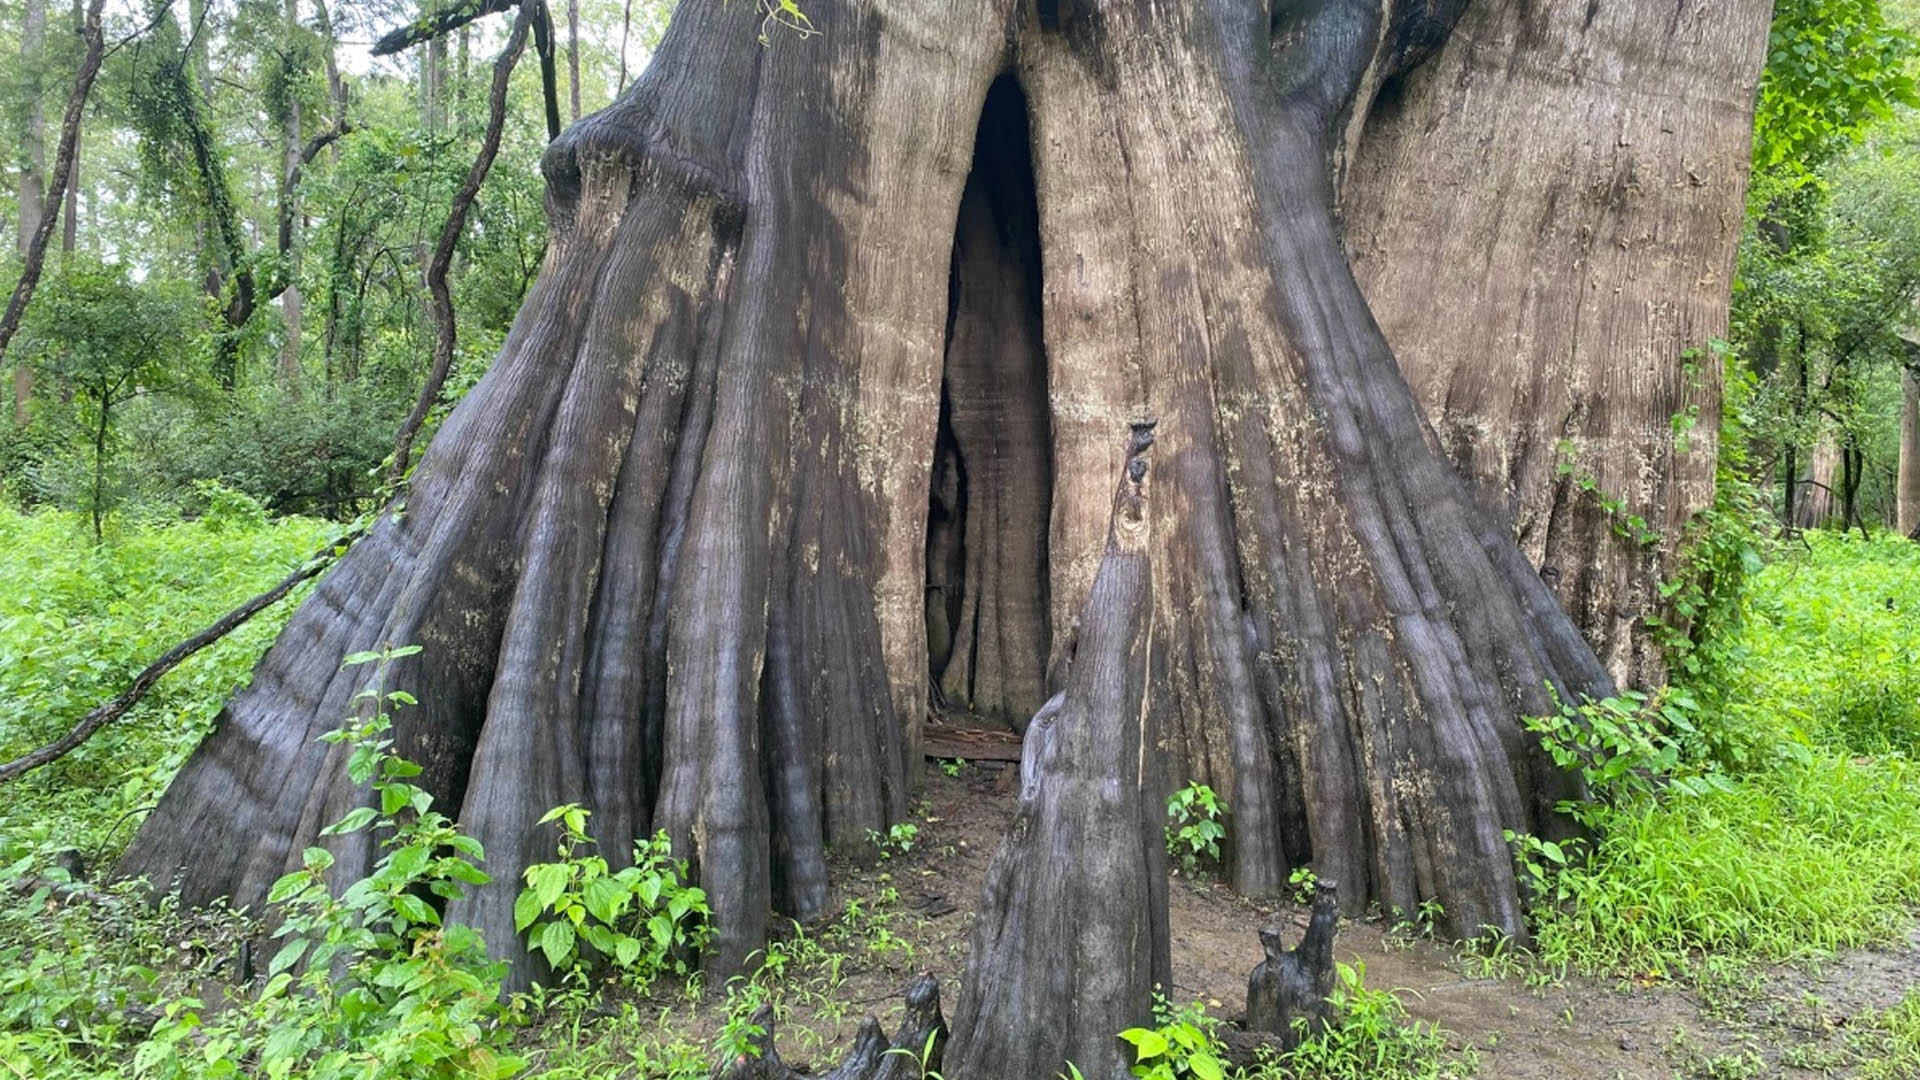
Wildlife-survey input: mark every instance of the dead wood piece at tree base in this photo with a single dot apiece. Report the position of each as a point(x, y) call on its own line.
point(1071, 940)
point(1292, 985)
point(970, 744)
point(922, 1031)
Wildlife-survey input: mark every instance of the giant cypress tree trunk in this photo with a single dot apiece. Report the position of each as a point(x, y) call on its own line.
point(670, 557)
point(1544, 217)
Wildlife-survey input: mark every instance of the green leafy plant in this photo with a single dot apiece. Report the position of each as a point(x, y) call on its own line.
point(897, 840)
point(922, 1058)
point(1182, 1043)
point(1303, 881)
point(1626, 746)
point(740, 1029)
point(368, 983)
point(1723, 546)
point(1196, 823)
point(1370, 1037)
point(645, 919)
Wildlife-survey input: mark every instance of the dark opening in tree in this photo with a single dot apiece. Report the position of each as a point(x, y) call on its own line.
point(987, 619)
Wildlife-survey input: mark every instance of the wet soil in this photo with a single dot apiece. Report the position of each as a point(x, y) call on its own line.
point(912, 911)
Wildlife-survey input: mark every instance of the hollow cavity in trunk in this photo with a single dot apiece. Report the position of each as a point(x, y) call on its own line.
point(986, 591)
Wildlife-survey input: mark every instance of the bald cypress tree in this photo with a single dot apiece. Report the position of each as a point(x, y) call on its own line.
point(819, 395)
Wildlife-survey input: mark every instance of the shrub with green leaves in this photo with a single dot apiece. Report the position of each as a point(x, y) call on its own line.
point(1768, 809)
point(1196, 823)
point(1370, 1037)
point(83, 973)
point(369, 983)
point(1182, 1044)
point(644, 919)
point(1627, 747)
point(78, 620)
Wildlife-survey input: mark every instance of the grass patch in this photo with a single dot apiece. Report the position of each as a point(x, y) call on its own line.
point(1784, 866)
point(1807, 838)
point(1887, 1043)
point(77, 621)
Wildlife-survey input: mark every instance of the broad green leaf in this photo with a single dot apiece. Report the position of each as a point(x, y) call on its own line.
point(549, 880)
point(556, 941)
point(358, 818)
point(526, 909)
point(416, 910)
point(288, 956)
point(604, 898)
point(1146, 1042)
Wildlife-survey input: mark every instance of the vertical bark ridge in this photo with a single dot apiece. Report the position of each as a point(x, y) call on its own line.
point(533, 753)
point(787, 550)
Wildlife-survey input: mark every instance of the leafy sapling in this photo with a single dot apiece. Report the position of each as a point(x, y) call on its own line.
point(579, 913)
point(1196, 823)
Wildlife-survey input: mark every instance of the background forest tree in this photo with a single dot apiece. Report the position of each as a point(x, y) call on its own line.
point(314, 336)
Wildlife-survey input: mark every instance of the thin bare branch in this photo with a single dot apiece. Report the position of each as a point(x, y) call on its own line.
point(448, 19)
point(442, 297)
point(95, 41)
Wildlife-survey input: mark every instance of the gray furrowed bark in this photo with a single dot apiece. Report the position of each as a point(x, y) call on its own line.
point(671, 557)
point(1071, 940)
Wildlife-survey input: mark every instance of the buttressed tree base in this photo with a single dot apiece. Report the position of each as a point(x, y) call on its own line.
point(820, 387)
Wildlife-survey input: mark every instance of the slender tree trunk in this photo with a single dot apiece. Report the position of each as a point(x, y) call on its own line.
point(1852, 465)
point(433, 85)
point(573, 59)
point(33, 166)
point(70, 222)
point(97, 505)
point(626, 27)
point(70, 225)
point(1815, 501)
point(93, 48)
point(441, 261)
point(199, 39)
point(1907, 484)
point(291, 160)
point(668, 558)
point(33, 132)
point(462, 58)
point(330, 56)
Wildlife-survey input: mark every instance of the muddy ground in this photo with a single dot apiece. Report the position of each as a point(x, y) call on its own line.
point(913, 912)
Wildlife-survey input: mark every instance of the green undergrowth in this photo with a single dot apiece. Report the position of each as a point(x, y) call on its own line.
point(1369, 1036)
point(79, 620)
point(1785, 865)
point(1887, 1042)
point(1769, 809)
